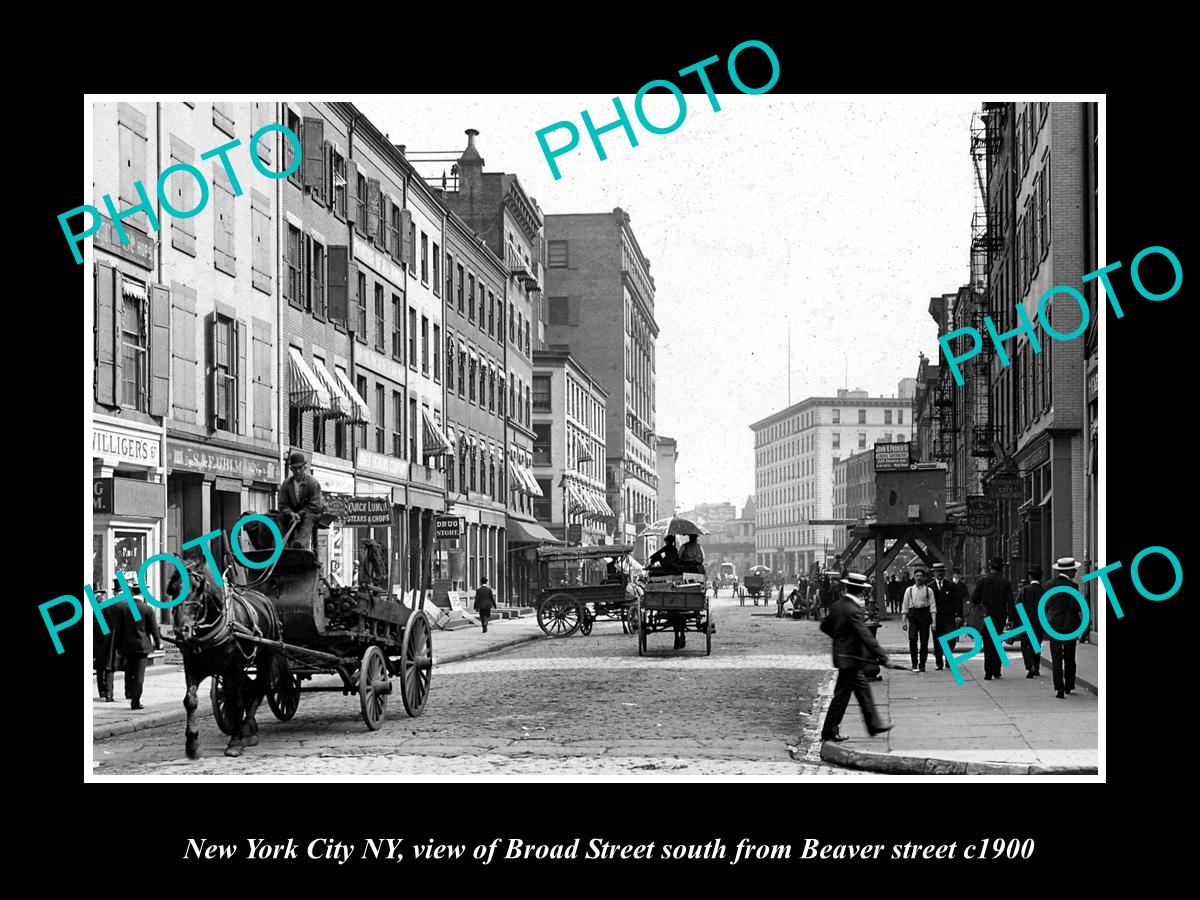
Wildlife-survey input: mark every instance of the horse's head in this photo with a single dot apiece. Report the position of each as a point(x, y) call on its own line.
point(199, 607)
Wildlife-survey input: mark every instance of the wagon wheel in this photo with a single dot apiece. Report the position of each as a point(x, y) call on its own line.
point(641, 632)
point(283, 690)
point(586, 620)
point(629, 624)
point(416, 663)
point(374, 685)
point(708, 632)
point(559, 615)
point(228, 719)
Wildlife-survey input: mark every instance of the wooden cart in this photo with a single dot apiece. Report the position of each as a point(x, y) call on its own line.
point(579, 584)
point(674, 604)
point(362, 634)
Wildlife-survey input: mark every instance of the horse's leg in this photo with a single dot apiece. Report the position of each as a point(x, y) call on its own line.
point(190, 702)
point(256, 691)
point(235, 686)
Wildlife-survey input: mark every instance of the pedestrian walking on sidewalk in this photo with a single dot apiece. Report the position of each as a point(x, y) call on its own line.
point(135, 640)
point(104, 657)
point(1065, 616)
point(993, 595)
point(853, 649)
point(1028, 600)
point(947, 611)
point(485, 602)
point(919, 614)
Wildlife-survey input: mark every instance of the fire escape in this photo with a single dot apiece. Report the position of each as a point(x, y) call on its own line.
point(987, 241)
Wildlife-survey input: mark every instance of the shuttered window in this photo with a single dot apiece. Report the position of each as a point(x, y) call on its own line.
point(437, 353)
point(380, 322)
point(183, 189)
point(224, 255)
point(263, 114)
point(293, 285)
point(222, 117)
point(289, 150)
point(437, 271)
point(261, 255)
point(131, 148)
point(183, 353)
point(397, 329)
point(264, 419)
point(339, 184)
point(227, 385)
point(135, 387)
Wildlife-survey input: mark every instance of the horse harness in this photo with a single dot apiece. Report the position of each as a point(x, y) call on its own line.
point(225, 628)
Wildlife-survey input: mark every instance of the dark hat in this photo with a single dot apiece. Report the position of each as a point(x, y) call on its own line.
point(1034, 572)
point(669, 539)
point(856, 580)
point(297, 458)
point(996, 562)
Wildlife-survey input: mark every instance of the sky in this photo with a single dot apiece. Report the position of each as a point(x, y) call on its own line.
point(836, 219)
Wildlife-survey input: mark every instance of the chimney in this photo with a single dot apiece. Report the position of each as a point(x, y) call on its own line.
point(470, 166)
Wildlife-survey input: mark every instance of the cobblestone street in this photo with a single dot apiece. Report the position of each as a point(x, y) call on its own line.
point(570, 707)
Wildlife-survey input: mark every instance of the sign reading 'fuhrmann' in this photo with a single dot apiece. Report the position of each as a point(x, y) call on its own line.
point(623, 122)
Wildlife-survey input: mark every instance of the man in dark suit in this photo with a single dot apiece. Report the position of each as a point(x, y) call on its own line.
point(485, 602)
point(135, 640)
point(853, 647)
point(1065, 616)
point(949, 611)
point(1028, 599)
point(993, 595)
point(300, 498)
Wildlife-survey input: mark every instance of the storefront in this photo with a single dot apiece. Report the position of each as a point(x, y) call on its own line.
point(209, 489)
point(335, 550)
point(128, 501)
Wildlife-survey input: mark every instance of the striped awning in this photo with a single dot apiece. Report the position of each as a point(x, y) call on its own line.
point(608, 510)
point(593, 503)
point(360, 414)
point(307, 390)
point(435, 441)
point(451, 437)
point(575, 501)
point(340, 405)
point(534, 489)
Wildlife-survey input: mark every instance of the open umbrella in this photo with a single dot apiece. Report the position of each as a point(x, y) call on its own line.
point(675, 525)
point(759, 569)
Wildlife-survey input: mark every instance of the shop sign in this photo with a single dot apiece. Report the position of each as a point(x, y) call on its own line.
point(575, 533)
point(892, 456)
point(981, 515)
point(184, 458)
point(102, 495)
point(140, 248)
point(109, 443)
point(1005, 487)
point(447, 528)
point(357, 512)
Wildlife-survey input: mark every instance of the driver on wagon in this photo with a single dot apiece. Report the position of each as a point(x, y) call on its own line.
point(300, 498)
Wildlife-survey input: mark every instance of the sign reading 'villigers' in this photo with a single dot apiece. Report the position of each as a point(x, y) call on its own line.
point(891, 456)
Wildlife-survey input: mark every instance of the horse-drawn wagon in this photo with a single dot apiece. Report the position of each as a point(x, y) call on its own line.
point(286, 626)
point(674, 603)
point(756, 584)
point(580, 584)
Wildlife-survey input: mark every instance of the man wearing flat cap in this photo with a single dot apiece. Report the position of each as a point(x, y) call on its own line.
point(300, 498)
point(993, 594)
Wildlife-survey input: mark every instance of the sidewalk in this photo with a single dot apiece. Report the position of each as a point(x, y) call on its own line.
point(1006, 726)
point(162, 694)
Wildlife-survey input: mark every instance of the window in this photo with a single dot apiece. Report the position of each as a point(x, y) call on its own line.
point(462, 370)
point(887, 438)
point(397, 329)
point(1044, 207)
point(471, 380)
point(424, 258)
point(542, 455)
point(491, 314)
point(412, 243)
point(362, 308)
point(316, 282)
point(491, 390)
point(528, 348)
point(437, 271)
point(380, 324)
point(557, 255)
point(541, 392)
point(289, 152)
point(482, 382)
point(449, 362)
point(512, 322)
point(862, 417)
point(412, 338)
point(134, 350)
point(837, 417)
point(461, 276)
point(424, 345)
point(397, 424)
point(500, 392)
point(394, 232)
point(380, 419)
point(339, 183)
point(862, 440)
point(449, 279)
point(293, 285)
point(360, 385)
point(361, 197)
point(471, 297)
point(899, 417)
point(437, 352)
point(887, 417)
point(412, 429)
point(837, 440)
point(559, 311)
point(226, 354)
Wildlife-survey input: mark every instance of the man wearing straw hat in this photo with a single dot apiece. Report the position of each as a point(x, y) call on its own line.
point(1065, 616)
point(853, 649)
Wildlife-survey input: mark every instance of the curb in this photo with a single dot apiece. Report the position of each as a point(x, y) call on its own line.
point(154, 718)
point(889, 764)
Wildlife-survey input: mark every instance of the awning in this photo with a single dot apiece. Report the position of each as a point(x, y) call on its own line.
point(133, 290)
point(593, 503)
point(451, 437)
point(340, 406)
point(608, 510)
point(435, 441)
point(534, 489)
point(307, 391)
point(360, 414)
point(529, 533)
point(576, 501)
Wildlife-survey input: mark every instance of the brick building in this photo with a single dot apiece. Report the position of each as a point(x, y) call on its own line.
point(496, 207)
point(568, 451)
point(600, 308)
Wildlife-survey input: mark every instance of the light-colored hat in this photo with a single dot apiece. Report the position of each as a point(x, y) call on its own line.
point(1066, 564)
point(856, 580)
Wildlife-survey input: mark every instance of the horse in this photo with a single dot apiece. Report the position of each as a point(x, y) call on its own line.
point(204, 629)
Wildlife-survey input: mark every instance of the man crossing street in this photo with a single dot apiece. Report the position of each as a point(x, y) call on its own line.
point(485, 602)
